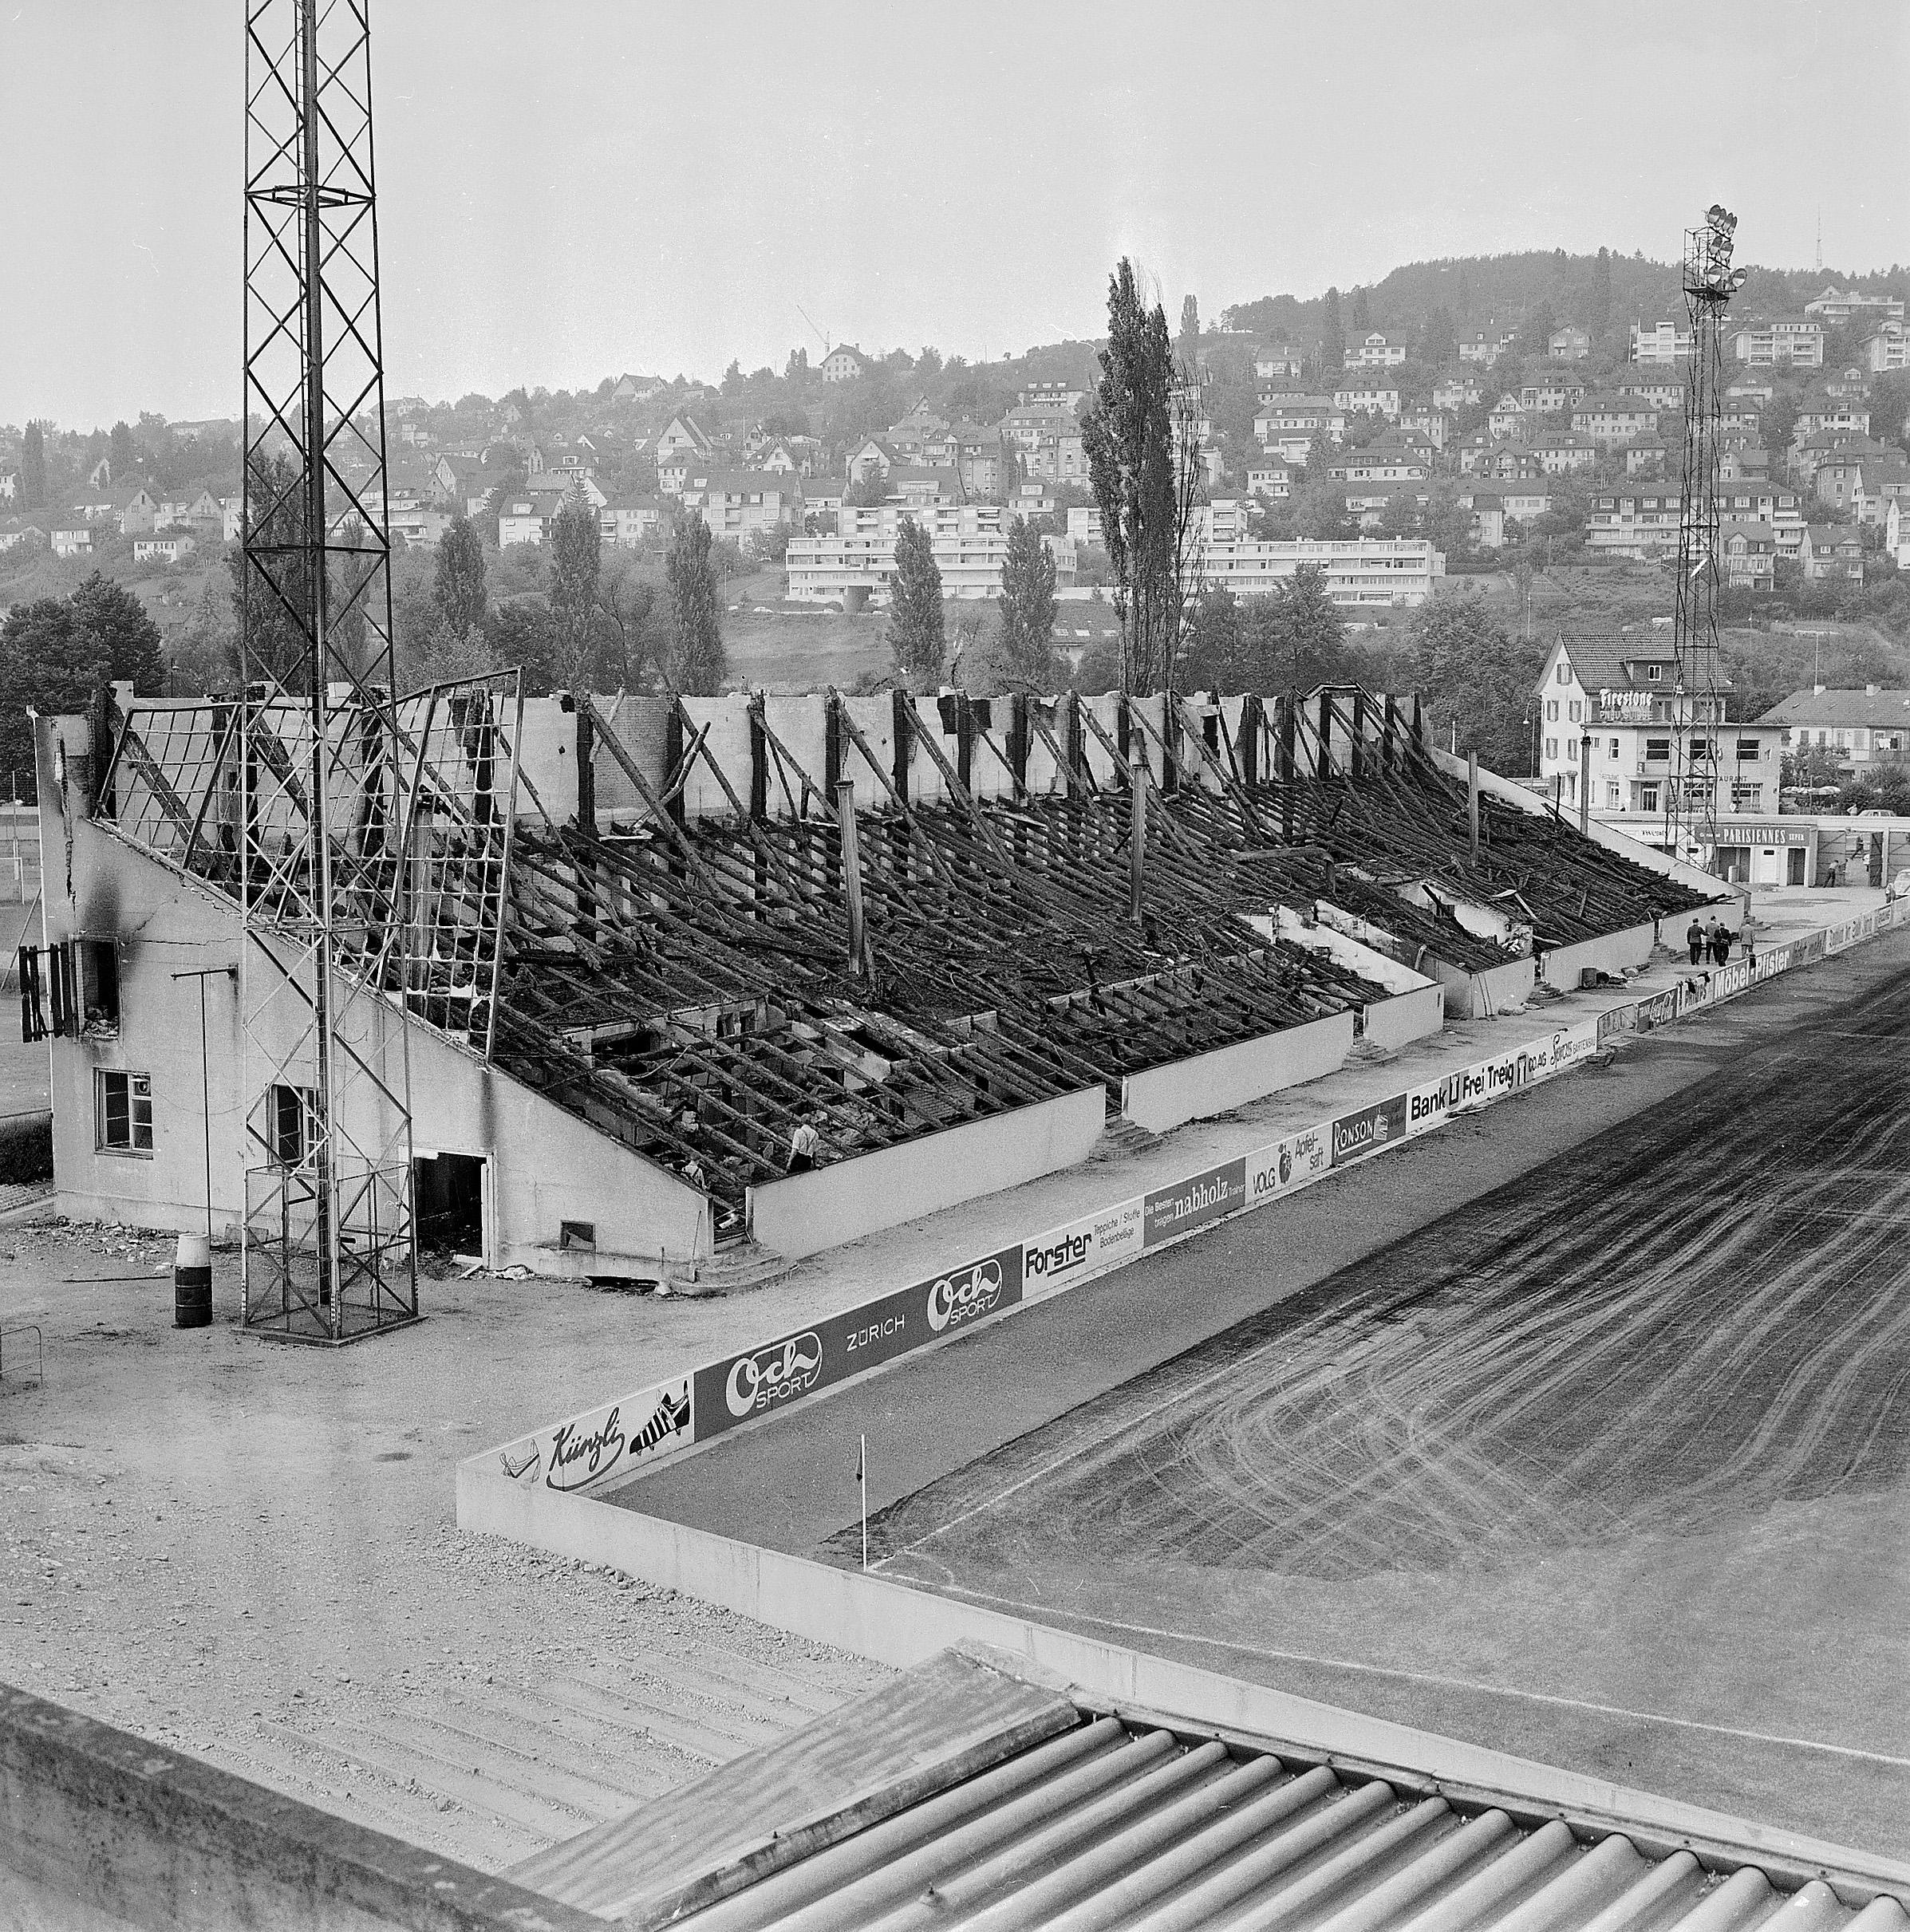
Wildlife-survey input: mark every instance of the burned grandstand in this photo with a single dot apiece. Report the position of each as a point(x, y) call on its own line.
point(629, 946)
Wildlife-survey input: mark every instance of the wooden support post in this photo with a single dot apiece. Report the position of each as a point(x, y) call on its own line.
point(903, 707)
point(1136, 835)
point(832, 744)
point(1018, 737)
point(1359, 757)
point(1286, 775)
point(1418, 721)
point(965, 740)
point(1324, 760)
point(672, 760)
point(852, 874)
point(1387, 728)
point(759, 765)
point(586, 771)
point(1472, 804)
point(1249, 738)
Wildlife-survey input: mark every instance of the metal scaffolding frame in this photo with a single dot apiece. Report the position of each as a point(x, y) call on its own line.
point(1691, 792)
point(323, 824)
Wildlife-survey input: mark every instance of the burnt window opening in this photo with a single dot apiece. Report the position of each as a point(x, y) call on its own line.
point(98, 960)
point(123, 1112)
point(291, 1124)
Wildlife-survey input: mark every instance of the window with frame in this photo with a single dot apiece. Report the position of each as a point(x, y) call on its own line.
point(1654, 671)
point(122, 1112)
point(1552, 748)
point(291, 1124)
point(1648, 797)
point(99, 987)
point(1551, 710)
point(1658, 750)
point(1750, 747)
point(1572, 711)
point(1565, 672)
point(1613, 753)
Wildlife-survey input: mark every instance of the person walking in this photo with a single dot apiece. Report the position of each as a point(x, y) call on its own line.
point(805, 1144)
point(1695, 938)
point(1721, 943)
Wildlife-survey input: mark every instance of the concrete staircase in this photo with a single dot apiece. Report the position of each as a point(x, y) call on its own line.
point(490, 1770)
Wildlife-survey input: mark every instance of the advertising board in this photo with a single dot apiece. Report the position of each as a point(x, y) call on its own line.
point(741, 1387)
point(1082, 1249)
point(589, 1449)
point(1290, 1162)
point(1368, 1129)
point(1210, 1196)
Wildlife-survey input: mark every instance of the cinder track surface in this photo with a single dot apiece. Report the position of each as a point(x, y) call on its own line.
point(1610, 1466)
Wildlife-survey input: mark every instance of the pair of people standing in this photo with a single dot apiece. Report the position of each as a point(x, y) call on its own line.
point(1712, 942)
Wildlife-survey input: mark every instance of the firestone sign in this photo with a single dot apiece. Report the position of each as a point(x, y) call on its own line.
point(1625, 704)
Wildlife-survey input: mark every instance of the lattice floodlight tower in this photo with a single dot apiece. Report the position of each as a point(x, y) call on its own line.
point(373, 832)
point(1691, 791)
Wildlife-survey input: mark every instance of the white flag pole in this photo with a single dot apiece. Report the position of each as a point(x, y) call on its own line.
point(862, 1470)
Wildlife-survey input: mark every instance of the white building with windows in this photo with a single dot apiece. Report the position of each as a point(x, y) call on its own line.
point(1362, 573)
point(1612, 716)
point(1660, 343)
point(967, 541)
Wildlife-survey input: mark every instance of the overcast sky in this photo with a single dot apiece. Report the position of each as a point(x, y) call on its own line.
point(568, 191)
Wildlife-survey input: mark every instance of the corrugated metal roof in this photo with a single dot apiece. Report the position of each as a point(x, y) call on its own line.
point(1117, 1826)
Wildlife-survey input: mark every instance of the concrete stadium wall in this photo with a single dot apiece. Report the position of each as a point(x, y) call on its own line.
point(901, 1626)
point(805, 1213)
point(1611, 952)
point(1415, 1015)
point(1417, 1007)
point(1210, 1083)
point(1485, 996)
point(115, 1829)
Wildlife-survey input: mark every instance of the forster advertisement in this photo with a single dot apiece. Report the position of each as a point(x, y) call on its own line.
point(741, 1387)
point(1064, 1256)
point(1170, 1211)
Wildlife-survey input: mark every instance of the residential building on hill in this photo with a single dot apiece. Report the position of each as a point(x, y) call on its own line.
point(1480, 345)
point(1836, 307)
point(1569, 343)
point(1660, 343)
point(1861, 728)
point(1795, 340)
point(1456, 393)
point(740, 503)
point(1832, 553)
point(843, 363)
point(1361, 392)
point(1663, 393)
point(1362, 573)
point(1887, 349)
point(1611, 421)
point(1552, 395)
point(1749, 553)
point(1278, 359)
point(1377, 349)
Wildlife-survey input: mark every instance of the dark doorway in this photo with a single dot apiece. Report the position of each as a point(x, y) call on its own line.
point(1795, 874)
point(447, 1193)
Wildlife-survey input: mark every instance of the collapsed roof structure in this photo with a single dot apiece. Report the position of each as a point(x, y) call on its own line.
point(882, 917)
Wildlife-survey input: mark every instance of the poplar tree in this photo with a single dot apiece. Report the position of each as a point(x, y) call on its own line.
point(915, 625)
point(698, 662)
point(1027, 610)
point(458, 589)
point(1128, 437)
point(33, 468)
point(576, 556)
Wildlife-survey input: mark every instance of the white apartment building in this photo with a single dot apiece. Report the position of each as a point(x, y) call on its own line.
point(1660, 342)
point(1796, 340)
point(1648, 739)
point(967, 540)
point(1836, 307)
point(1377, 349)
point(1362, 573)
point(1643, 523)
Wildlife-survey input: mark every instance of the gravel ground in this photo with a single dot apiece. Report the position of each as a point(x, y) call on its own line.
point(247, 1550)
